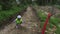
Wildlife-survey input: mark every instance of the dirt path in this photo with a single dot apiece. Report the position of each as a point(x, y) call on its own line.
point(30, 24)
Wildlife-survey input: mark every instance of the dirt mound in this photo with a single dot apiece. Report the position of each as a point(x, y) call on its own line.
point(30, 25)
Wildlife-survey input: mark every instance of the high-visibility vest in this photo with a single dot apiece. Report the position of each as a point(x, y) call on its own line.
point(18, 21)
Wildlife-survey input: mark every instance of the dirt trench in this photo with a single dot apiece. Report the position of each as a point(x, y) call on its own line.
point(30, 25)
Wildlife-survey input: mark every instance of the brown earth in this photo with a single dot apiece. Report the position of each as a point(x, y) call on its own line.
point(30, 25)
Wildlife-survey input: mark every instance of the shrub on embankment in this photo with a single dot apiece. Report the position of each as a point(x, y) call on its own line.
point(52, 22)
point(7, 15)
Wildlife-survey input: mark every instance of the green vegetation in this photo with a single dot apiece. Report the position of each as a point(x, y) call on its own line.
point(15, 8)
point(57, 6)
point(53, 21)
point(46, 2)
point(5, 15)
point(9, 8)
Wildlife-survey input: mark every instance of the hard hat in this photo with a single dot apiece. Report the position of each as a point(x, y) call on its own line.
point(19, 16)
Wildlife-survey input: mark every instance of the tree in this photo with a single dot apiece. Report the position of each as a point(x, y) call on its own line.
point(5, 4)
point(45, 2)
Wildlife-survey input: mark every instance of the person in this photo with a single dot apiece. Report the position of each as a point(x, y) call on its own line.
point(18, 21)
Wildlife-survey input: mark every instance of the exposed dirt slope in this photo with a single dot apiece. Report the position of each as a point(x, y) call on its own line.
point(30, 25)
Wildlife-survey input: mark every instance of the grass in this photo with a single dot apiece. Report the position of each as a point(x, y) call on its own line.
point(53, 21)
point(57, 6)
point(5, 15)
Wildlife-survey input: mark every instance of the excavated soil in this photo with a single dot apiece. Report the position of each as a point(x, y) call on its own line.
point(30, 24)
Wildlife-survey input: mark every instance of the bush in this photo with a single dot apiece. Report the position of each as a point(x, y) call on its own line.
point(5, 15)
point(53, 21)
